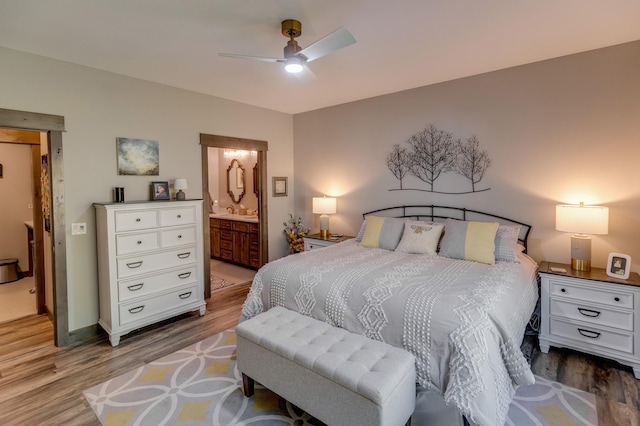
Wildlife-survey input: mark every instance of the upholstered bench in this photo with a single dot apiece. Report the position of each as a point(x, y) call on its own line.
point(338, 377)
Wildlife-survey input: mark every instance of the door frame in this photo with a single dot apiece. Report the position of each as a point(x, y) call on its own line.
point(53, 126)
point(216, 141)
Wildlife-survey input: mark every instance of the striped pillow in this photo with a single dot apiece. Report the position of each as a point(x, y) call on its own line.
point(469, 241)
point(382, 232)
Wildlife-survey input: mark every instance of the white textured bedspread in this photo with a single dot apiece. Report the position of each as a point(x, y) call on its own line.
point(463, 321)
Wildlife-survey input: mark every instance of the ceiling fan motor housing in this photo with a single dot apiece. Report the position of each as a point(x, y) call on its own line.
point(291, 28)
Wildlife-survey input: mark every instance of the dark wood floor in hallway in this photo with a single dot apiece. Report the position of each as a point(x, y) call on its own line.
point(42, 385)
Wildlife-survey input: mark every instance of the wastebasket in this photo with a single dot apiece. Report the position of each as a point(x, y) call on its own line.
point(8, 270)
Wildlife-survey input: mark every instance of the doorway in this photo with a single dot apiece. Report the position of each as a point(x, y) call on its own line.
point(258, 183)
point(51, 128)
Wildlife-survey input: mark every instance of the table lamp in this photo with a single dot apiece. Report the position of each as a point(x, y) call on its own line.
point(324, 206)
point(582, 220)
point(179, 185)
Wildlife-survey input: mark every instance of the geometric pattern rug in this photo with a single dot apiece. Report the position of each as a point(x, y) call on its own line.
point(200, 385)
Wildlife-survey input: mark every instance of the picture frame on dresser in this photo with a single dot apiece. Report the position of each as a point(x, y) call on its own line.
point(160, 191)
point(619, 265)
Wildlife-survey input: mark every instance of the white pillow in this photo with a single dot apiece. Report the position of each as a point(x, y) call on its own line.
point(420, 237)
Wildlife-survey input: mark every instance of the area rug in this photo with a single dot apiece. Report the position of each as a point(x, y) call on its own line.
point(200, 385)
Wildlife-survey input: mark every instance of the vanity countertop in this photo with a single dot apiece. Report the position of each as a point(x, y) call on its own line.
point(233, 216)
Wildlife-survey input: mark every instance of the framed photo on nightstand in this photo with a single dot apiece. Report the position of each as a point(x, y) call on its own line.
point(619, 265)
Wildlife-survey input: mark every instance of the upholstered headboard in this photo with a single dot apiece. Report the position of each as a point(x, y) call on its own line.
point(439, 213)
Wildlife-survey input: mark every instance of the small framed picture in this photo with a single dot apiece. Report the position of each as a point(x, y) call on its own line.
point(619, 265)
point(279, 186)
point(159, 191)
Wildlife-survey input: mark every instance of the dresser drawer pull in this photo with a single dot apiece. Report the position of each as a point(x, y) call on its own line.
point(139, 242)
point(134, 264)
point(185, 295)
point(179, 236)
point(135, 287)
point(589, 313)
point(179, 216)
point(563, 290)
point(184, 275)
point(136, 310)
point(588, 333)
point(138, 219)
point(184, 255)
point(617, 299)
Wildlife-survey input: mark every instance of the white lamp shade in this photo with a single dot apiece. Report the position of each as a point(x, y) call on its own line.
point(324, 205)
point(180, 184)
point(582, 219)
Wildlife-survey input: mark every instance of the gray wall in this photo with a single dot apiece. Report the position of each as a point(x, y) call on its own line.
point(98, 107)
point(559, 131)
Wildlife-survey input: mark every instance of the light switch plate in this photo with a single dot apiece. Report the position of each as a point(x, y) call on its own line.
point(78, 228)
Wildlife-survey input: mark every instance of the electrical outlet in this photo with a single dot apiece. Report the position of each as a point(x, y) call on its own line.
point(78, 228)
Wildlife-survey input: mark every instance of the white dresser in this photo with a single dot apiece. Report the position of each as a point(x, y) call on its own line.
point(150, 263)
point(591, 312)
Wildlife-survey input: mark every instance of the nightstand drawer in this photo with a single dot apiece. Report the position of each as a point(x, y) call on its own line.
point(608, 295)
point(591, 314)
point(622, 342)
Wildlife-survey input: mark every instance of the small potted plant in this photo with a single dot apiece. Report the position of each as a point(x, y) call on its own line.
point(294, 230)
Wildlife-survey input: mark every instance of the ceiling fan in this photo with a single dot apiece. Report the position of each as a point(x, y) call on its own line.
point(295, 57)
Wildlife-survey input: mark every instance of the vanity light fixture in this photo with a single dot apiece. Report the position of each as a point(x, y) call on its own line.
point(179, 185)
point(582, 220)
point(324, 206)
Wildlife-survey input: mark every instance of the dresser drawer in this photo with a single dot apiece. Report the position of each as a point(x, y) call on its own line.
point(136, 219)
point(136, 243)
point(622, 342)
point(141, 309)
point(178, 237)
point(132, 289)
point(607, 295)
point(137, 265)
point(591, 314)
point(178, 216)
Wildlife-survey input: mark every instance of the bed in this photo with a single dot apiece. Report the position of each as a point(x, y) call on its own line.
point(453, 286)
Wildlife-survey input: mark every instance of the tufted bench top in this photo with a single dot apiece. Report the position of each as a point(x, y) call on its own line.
point(371, 368)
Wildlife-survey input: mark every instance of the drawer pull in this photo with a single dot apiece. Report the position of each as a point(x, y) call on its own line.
point(184, 275)
point(134, 264)
point(135, 287)
point(139, 242)
point(138, 219)
point(588, 333)
point(589, 313)
point(563, 290)
point(179, 216)
point(179, 236)
point(185, 295)
point(617, 299)
point(184, 255)
point(136, 310)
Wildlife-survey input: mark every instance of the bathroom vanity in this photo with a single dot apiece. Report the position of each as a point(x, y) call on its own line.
point(235, 238)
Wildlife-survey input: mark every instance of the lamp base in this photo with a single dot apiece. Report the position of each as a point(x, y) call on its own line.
point(324, 233)
point(180, 195)
point(581, 252)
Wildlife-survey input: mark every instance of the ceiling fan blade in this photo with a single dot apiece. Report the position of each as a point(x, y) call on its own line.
point(306, 76)
point(335, 41)
point(253, 58)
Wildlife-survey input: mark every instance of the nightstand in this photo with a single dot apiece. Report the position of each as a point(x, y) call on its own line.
point(315, 241)
point(591, 312)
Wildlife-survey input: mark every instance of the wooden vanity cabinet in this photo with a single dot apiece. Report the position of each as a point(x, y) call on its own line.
point(235, 241)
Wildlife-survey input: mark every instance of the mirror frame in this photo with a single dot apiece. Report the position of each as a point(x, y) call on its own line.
point(244, 183)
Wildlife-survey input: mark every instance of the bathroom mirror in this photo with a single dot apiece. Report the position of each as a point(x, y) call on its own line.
point(235, 181)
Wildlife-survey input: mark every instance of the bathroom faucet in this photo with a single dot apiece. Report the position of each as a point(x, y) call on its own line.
point(231, 210)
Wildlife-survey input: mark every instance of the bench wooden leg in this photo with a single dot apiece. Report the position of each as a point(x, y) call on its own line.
point(247, 385)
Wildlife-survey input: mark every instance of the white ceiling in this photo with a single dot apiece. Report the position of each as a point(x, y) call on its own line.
point(401, 44)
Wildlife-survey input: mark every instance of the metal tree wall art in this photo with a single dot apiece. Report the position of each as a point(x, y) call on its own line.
point(434, 152)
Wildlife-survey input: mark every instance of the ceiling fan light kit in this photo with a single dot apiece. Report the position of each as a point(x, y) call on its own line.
point(296, 58)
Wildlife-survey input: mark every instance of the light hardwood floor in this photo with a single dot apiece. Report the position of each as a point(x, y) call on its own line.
point(42, 385)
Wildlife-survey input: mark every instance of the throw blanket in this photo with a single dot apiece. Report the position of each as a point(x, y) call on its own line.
point(463, 321)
